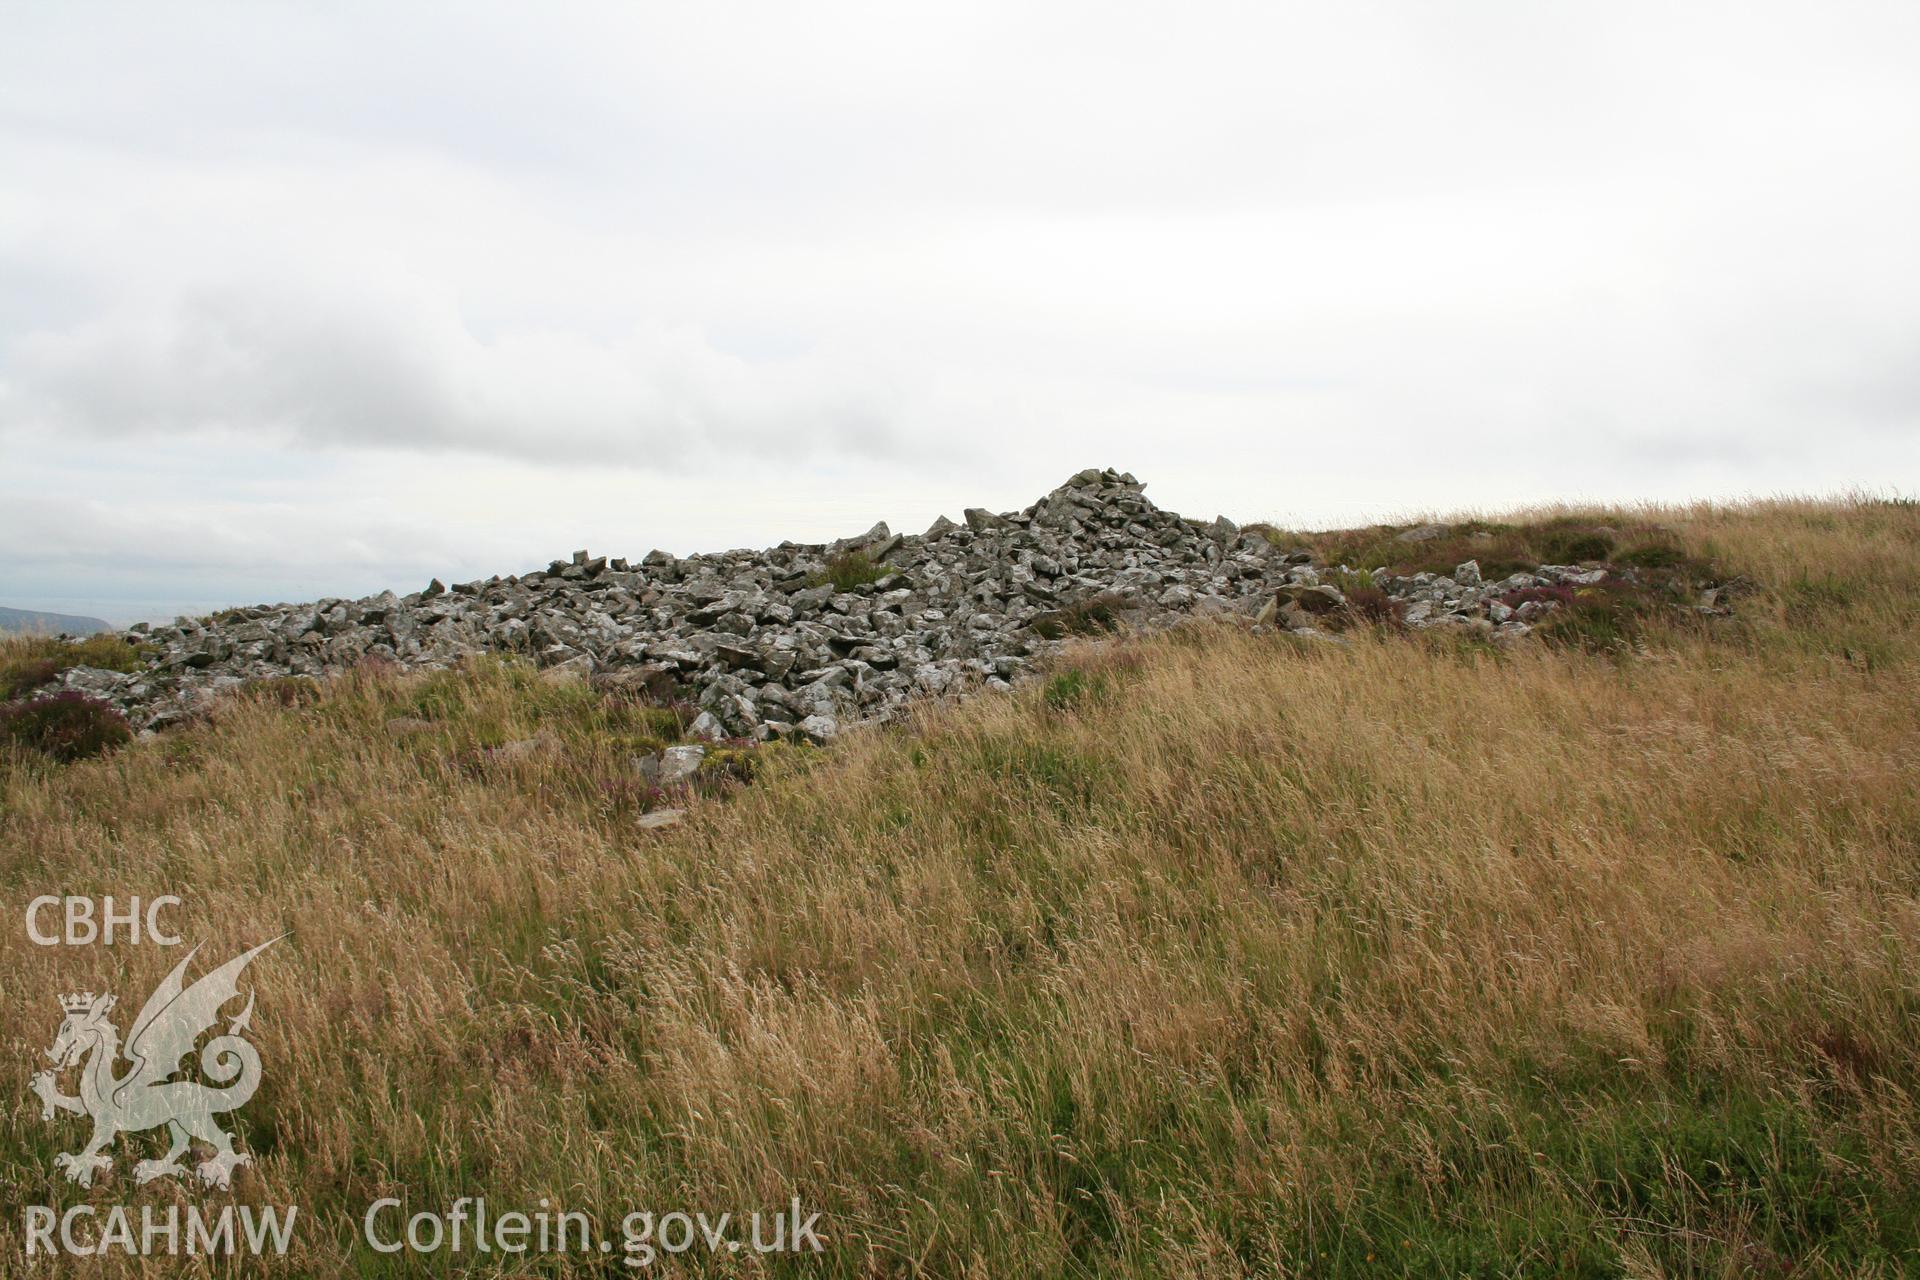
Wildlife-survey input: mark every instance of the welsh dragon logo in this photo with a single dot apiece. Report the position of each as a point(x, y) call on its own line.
point(147, 1096)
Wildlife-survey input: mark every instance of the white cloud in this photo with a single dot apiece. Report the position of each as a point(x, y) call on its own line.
point(377, 366)
point(763, 261)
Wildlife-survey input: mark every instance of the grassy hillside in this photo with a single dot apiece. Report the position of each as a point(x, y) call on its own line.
point(35, 622)
point(1213, 955)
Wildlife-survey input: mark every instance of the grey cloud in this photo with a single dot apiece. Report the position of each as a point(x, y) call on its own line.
point(408, 372)
point(1271, 257)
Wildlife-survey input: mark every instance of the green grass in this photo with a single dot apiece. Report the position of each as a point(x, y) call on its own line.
point(1091, 617)
point(1208, 954)
point(849, 571)
point(1501, 547)
point(31, 662)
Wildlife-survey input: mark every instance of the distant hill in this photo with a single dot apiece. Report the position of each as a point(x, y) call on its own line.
point(34, 623)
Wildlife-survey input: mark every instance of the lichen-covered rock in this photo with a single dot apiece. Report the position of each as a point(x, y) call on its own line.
point(767, 645)
point(678, 765)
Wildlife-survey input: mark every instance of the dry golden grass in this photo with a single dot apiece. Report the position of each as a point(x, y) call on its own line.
point(1215, 956)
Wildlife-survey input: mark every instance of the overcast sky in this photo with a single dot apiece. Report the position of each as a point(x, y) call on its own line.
point(317, 300)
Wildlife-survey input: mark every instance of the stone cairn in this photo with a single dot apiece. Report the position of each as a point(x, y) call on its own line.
point(769, 646)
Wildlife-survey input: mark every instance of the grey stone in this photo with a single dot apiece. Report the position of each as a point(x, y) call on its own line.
point(766, 655)
point(97, 681)
point(1311, 598)
point(979, 519)
point(1424, 533)
point(659, 819)
point(679, 764)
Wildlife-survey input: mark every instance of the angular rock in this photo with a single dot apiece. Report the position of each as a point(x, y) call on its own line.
point(767, 647)
point(659, 819)
point(1423, 533)
point(979, 519)
point(678, 765)
point(1311, 598)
